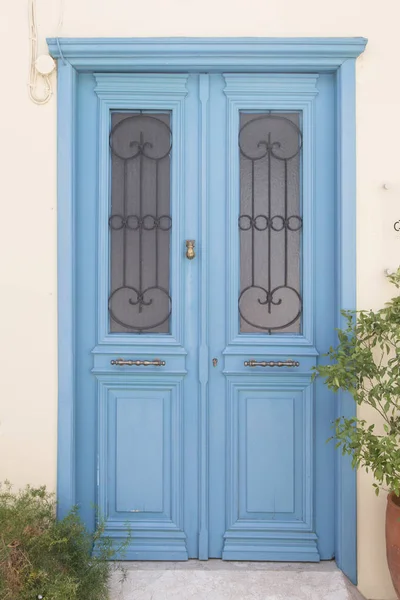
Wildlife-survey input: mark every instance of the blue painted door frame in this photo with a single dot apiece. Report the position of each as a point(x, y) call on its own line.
point(335, 56)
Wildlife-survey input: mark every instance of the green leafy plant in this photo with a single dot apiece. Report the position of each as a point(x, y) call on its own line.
point(45, 558)
point(366, 363)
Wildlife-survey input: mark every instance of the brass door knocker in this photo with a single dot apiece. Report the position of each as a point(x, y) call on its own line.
point(190, 253)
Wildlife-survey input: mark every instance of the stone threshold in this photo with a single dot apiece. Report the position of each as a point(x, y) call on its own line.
point(223, 580)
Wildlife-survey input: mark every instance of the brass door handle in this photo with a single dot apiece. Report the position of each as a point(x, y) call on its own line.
point(190, 253)
point(272, 363)
point(120, 362)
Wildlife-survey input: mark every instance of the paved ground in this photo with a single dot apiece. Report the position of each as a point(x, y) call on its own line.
point(220, 580)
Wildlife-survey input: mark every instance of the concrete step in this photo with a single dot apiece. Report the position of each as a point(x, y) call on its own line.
point(221, 580)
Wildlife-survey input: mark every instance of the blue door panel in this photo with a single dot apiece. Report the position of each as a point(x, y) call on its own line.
point(270, 468)
point(272, 481)
point(133, 460)
point(205, 450)
point(140, 474)
point(269, 455)
point(142, 445)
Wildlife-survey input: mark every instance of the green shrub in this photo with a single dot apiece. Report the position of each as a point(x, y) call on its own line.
point(366, 363)
point(42, 557)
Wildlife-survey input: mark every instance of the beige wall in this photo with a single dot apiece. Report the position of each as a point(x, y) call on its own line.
point(28, 197)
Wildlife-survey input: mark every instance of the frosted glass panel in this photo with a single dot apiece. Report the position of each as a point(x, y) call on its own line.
point(270, 223)
point(140, 222)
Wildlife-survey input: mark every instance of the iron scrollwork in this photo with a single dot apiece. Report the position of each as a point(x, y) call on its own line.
point(133, 153)
point(269, 149)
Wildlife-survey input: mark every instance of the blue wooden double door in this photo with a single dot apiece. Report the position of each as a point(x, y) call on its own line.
point(204, 295)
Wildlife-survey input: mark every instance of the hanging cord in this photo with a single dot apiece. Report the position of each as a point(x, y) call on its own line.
point(60, 24)
point(33, 54)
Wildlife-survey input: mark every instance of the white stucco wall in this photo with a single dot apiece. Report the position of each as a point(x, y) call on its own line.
point(28, 333)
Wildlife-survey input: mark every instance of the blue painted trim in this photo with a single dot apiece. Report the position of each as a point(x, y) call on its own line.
point(204, 94)
point(346, 477)
point(224, 54)
point(67, 83)
point(210, 54)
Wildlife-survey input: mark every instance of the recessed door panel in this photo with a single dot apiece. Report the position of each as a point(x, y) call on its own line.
point(141, 443)
point(269, 454)
point(140, 455)
point(266, 454)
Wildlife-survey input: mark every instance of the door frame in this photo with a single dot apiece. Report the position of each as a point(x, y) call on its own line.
point(294, 55)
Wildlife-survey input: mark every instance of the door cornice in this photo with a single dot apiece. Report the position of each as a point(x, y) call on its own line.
point(206, 54)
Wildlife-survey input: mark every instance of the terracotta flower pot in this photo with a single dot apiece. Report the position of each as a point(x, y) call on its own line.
point(393, 539)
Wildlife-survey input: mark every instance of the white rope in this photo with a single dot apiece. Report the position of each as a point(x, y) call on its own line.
point(33, 54)
point(60, 24)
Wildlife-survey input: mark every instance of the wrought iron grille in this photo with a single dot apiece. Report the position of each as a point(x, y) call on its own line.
point(270, 223)
point(140, 222)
